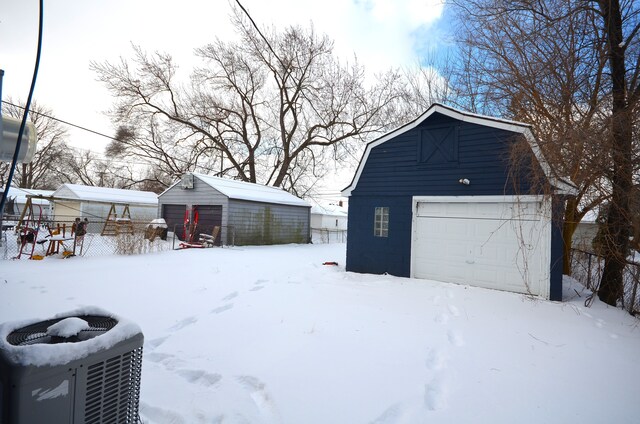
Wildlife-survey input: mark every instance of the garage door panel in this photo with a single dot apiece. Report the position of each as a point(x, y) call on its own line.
point(469, 247)
point(174, 217)
point(480, 210)
point(209, 217)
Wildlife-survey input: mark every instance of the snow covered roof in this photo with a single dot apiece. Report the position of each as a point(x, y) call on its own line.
point(331, 210)
point(564, 185)
point(20, 195)
point(590, 217)
point(106, 195)
point(241, 190)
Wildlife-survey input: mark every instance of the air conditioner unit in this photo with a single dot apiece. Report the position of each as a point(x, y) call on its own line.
point(79, 367)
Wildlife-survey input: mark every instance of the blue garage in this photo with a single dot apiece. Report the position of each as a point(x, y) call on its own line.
point(439, 199)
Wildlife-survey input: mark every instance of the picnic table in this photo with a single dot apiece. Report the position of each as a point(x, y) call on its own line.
point(55, 241)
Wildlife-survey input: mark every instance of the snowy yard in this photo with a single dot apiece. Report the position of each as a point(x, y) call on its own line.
point(270, 335)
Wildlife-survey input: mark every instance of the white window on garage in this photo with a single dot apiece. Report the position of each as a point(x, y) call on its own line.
point(381, 226)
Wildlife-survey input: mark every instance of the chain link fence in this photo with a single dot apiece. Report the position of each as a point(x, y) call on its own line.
point(587, 267)
point(118, 237)
point(207, 235)
point(103, 238)
point(326, 235)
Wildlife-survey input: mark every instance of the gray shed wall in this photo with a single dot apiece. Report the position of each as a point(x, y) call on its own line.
point(257, 223)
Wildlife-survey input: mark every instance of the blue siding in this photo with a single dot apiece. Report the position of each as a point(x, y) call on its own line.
point(377, 255)
point(557, 248)
point(483, 154)
point(393, 174)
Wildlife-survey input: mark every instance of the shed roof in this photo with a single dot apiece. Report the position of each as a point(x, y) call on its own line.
point(241, 190)
point(20, 195)
point(562, 184)
point(105, 195)
point(329, 210)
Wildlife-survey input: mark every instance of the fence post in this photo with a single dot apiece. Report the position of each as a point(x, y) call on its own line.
point(589, 272)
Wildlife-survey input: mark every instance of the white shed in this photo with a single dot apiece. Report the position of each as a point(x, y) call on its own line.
point(330, 216)
point(329, 223)
point(79, 201)
point(20, 198)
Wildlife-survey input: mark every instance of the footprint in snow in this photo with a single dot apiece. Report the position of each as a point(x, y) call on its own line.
point(157, 357)
point(258, 393)
point(600, 323)
point(230, 296)
point(159, 415)
point(200, 377)
point(436, 360)
point(222, 308)
point(183, 323)
point(455, 338)
point(152, 344)
point(256, 288)
point(453, 310)
point(390, 415)
point(435, 394)
point(441, 318)
point(169, 362)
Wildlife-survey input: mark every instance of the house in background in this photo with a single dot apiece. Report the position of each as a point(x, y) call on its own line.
point(585, 232)
point(329, 223)
point(247, 213)
point(20, 199)
point(436, 199)
point(94, 203)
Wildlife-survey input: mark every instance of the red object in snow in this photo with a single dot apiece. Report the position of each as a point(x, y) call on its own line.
point(330, 263)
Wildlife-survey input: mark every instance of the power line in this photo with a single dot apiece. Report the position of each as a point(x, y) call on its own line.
point(63, 121)
point(104, 159)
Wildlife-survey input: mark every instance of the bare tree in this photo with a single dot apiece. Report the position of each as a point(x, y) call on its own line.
point(273, 107)
point(45, 171)
point(621, 25)
point(547, 64)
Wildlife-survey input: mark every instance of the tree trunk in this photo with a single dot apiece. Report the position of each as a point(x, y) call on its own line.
point(618, 219)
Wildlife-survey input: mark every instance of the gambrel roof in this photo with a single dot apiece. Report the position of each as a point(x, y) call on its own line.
point(563, 185)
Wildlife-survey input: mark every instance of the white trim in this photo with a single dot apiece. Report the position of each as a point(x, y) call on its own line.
point(478, 199)
point(502, 124)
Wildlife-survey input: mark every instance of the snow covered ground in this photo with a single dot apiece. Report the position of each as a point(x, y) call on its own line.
point(270, 335)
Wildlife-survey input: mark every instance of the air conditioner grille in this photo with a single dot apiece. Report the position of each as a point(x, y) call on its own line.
point(113, 389)
point(37, 333)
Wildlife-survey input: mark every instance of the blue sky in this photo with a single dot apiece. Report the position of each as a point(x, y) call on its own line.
point(381, 33)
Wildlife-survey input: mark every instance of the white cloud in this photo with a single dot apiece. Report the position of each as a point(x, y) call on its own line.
point(378, 32)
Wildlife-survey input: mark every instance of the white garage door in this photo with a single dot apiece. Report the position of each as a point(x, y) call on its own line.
point(487, 241)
